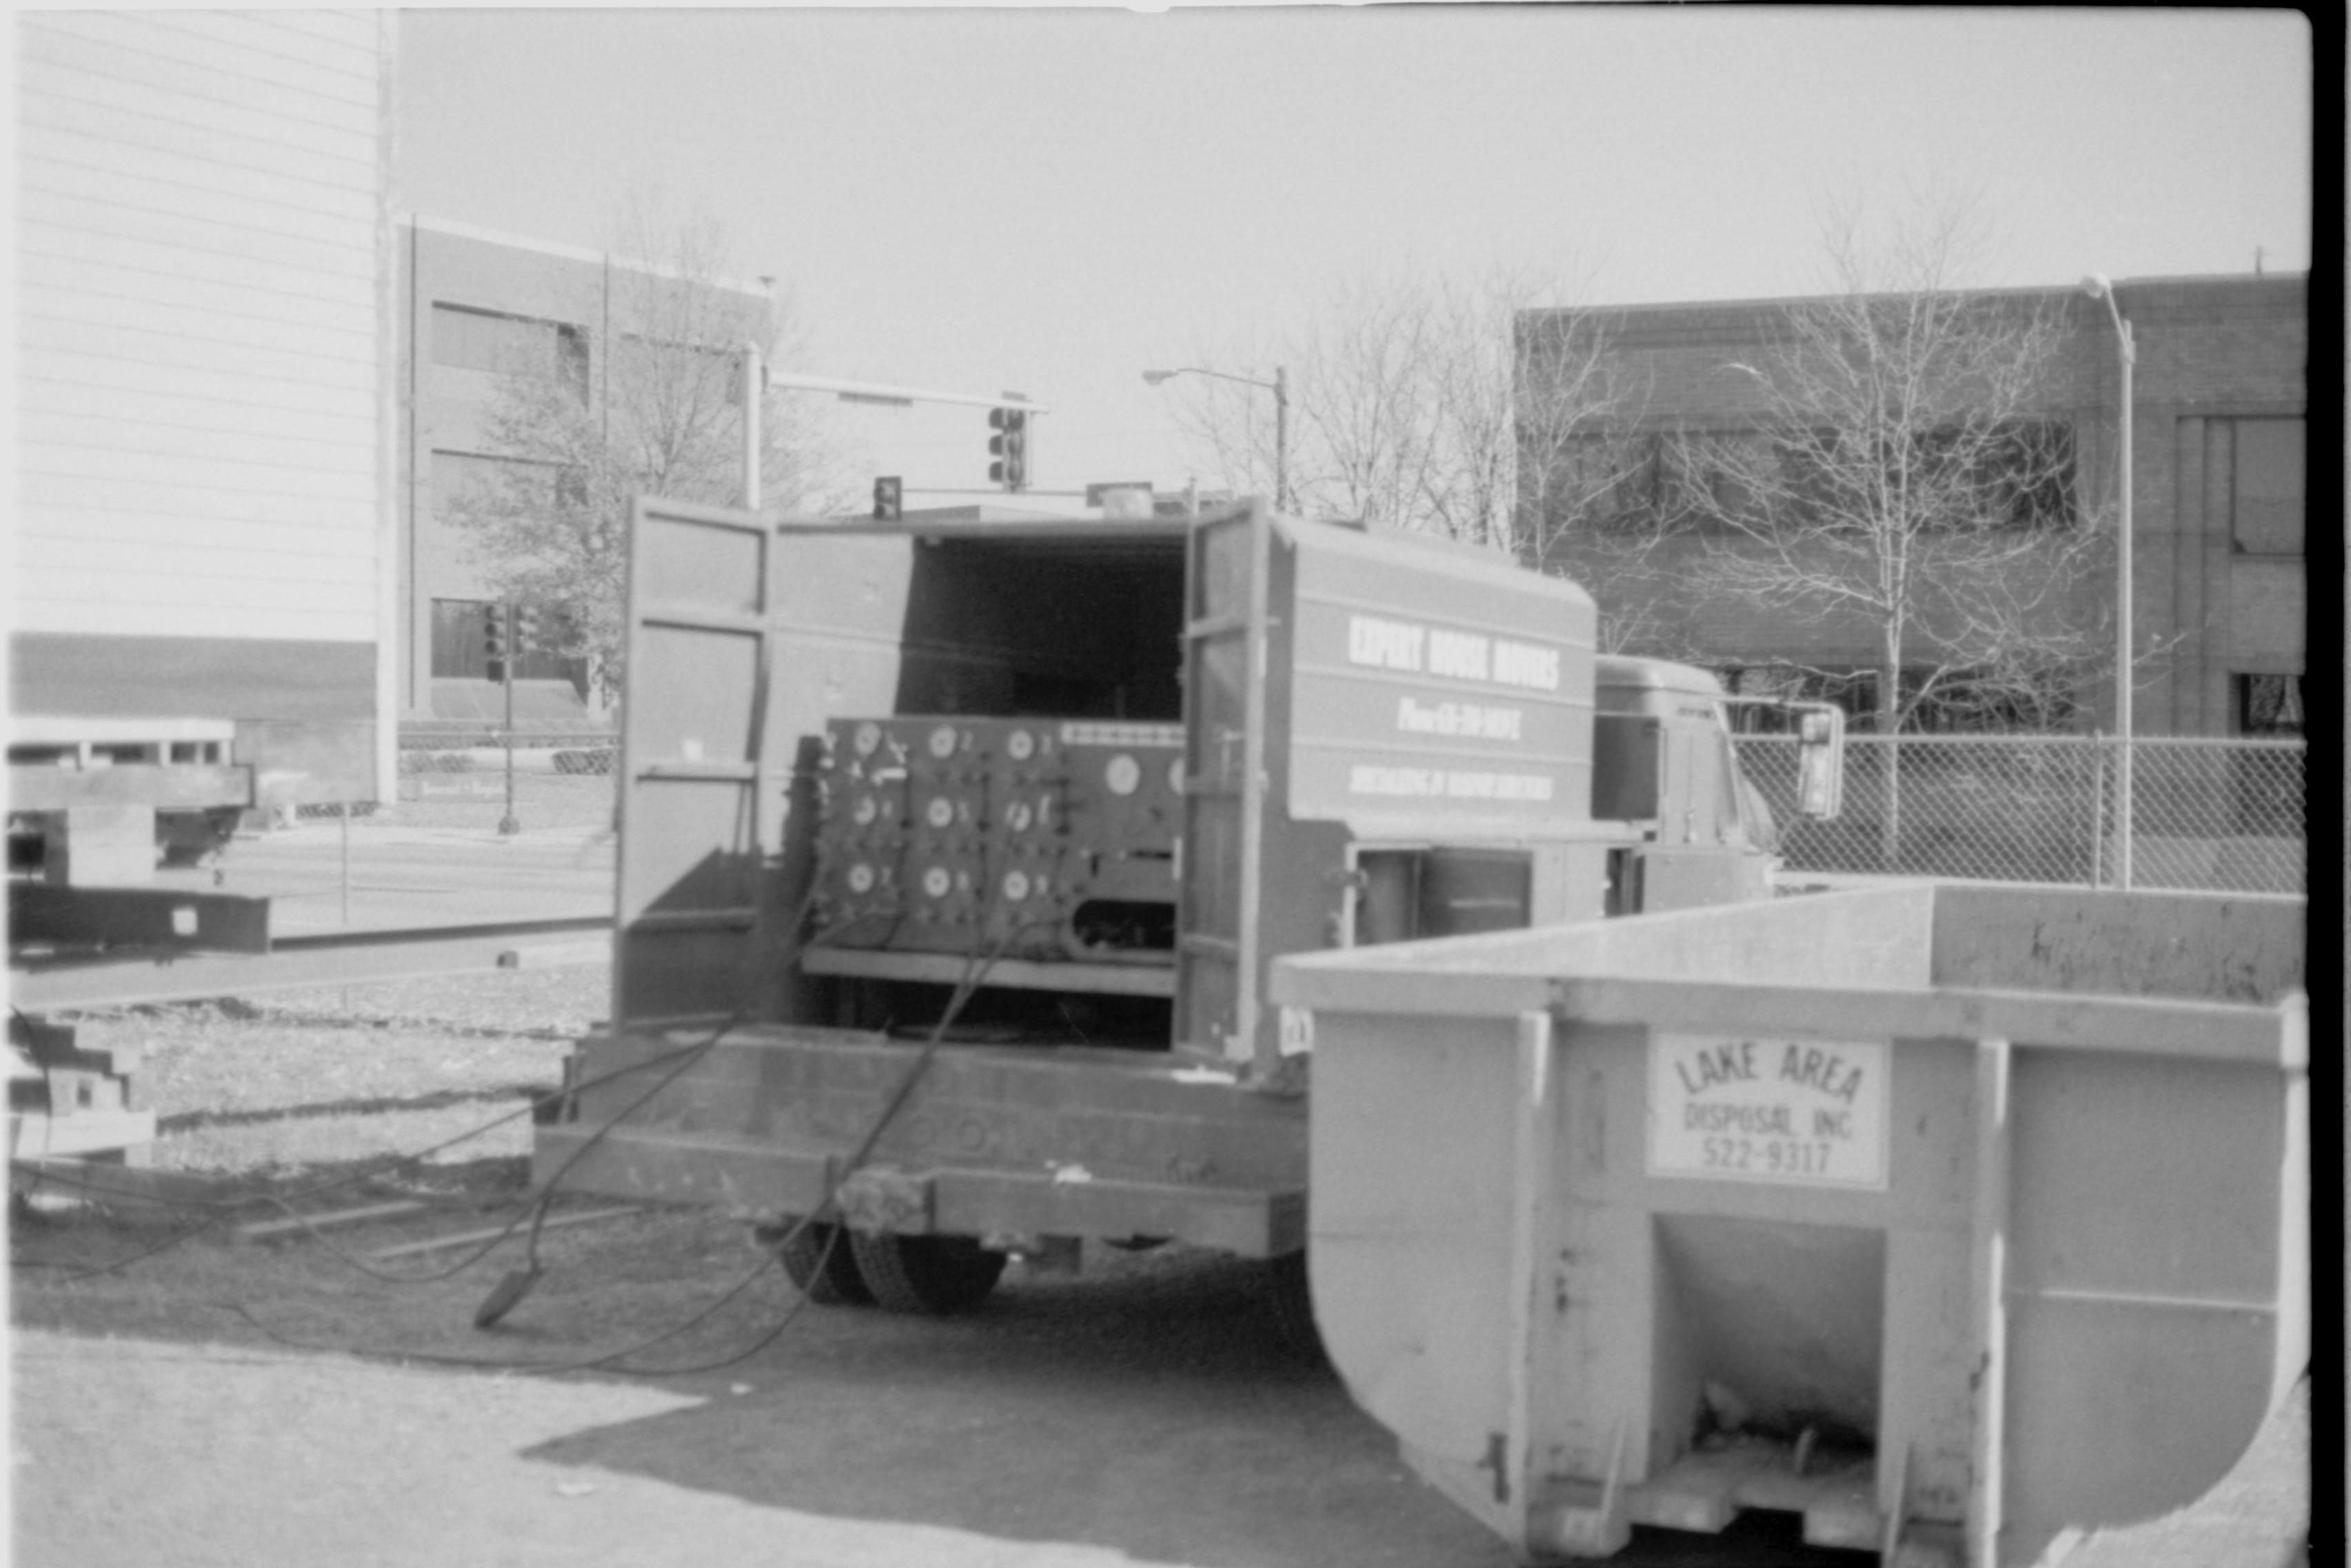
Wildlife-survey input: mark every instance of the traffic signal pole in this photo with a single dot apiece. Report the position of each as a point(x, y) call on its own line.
point(756, 375)
point(509, 825)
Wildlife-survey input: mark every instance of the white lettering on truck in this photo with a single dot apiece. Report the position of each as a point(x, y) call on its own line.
point(1445, 783)
point(1471, 720)
point(1383, 644)
point(1524, 664)
point(1459, 654)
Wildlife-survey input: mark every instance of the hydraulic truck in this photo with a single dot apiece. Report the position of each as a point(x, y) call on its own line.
point(1067, 787)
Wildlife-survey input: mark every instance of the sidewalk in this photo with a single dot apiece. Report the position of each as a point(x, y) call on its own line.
point(404, 877)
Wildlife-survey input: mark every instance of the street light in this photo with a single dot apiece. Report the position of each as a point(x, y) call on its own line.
point(1279, 388)
point(2097, 287)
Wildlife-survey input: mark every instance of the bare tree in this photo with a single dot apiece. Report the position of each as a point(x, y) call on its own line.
point(1411, 408)
point(1908, 472)
point(1908, 479)
point(646, 400)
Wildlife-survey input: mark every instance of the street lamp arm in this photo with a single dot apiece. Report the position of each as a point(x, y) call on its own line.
point(2097, 287)
point(1155, 377)
point(1279, 388)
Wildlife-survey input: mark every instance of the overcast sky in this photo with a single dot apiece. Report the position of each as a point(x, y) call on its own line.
point(1053, 199)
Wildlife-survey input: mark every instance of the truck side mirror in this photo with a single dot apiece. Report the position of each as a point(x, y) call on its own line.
point(1819, 762)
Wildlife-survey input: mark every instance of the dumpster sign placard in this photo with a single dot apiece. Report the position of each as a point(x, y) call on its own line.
point(1802, 1112)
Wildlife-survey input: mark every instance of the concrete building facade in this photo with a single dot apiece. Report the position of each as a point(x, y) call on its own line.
point(203, 534)
point(2220, 484)
point(476, 307)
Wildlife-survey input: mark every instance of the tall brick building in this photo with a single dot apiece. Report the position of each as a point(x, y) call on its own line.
point(476, 305)
point(2219, 486)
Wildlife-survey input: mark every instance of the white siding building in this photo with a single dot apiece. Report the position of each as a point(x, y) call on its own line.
point(204, 527)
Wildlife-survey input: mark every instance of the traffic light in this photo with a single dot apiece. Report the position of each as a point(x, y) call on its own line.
point(1009, 446)
point(888, 491)
point(525, 629)
point(496, 639)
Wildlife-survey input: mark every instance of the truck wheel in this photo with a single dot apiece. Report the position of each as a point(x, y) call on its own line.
point(827, 1278)
point(933, 1275)
point(1292, 1302)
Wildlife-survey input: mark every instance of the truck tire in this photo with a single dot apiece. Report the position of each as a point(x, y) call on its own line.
point(826, 1278)
point(932, 1275)
point(1292, 1301)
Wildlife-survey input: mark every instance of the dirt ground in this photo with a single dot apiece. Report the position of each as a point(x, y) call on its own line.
point(182, 1396)
point(1144, 1415)
point(1146, 1421)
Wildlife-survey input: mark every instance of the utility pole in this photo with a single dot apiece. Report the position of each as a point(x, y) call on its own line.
point(505, 645)
point(2097, 286)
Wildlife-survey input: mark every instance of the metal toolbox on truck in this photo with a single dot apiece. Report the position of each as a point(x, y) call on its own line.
point(1948, 1216)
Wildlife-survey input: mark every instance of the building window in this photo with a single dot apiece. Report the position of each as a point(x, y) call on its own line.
point(2269, 785)
point(695, 373)
point(461, 651)
point(2017, 475)
point(2266, 516)
point(2269, 706)
point(464, 481)
point(502, 345)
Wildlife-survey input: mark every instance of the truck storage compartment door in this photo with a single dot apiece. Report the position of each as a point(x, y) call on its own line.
point(741, 635)
point(1218, 896)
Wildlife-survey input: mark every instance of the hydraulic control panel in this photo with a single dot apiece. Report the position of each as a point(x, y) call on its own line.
point(1038, 838)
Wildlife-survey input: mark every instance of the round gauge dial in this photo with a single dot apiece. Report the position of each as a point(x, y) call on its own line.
point(935, 882)
point(860, 877)
point(868, 737)
point(1123, 773)
point(943, 741)
point(940, 813)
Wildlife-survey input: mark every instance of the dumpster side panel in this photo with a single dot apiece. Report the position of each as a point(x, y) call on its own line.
point(1411, 1174)
point(2144, 1310)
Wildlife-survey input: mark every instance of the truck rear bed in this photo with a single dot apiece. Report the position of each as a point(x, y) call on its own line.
point(1007, 1141)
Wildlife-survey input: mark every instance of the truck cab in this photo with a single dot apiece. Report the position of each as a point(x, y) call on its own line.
point(1663, 761)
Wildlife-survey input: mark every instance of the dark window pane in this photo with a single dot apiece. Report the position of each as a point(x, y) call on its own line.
point(2269, 500)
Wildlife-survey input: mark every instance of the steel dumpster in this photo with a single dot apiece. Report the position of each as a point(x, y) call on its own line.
point(1948, 1216)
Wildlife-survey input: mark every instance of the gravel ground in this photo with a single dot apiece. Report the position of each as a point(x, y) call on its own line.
point(295, 1080)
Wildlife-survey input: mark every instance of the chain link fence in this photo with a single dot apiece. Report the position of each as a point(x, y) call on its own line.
point(2226, 815)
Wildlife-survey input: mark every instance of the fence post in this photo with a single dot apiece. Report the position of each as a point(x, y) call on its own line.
point(2097, 810)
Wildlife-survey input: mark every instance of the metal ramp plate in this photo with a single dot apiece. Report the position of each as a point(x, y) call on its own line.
point(1704, 1490)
